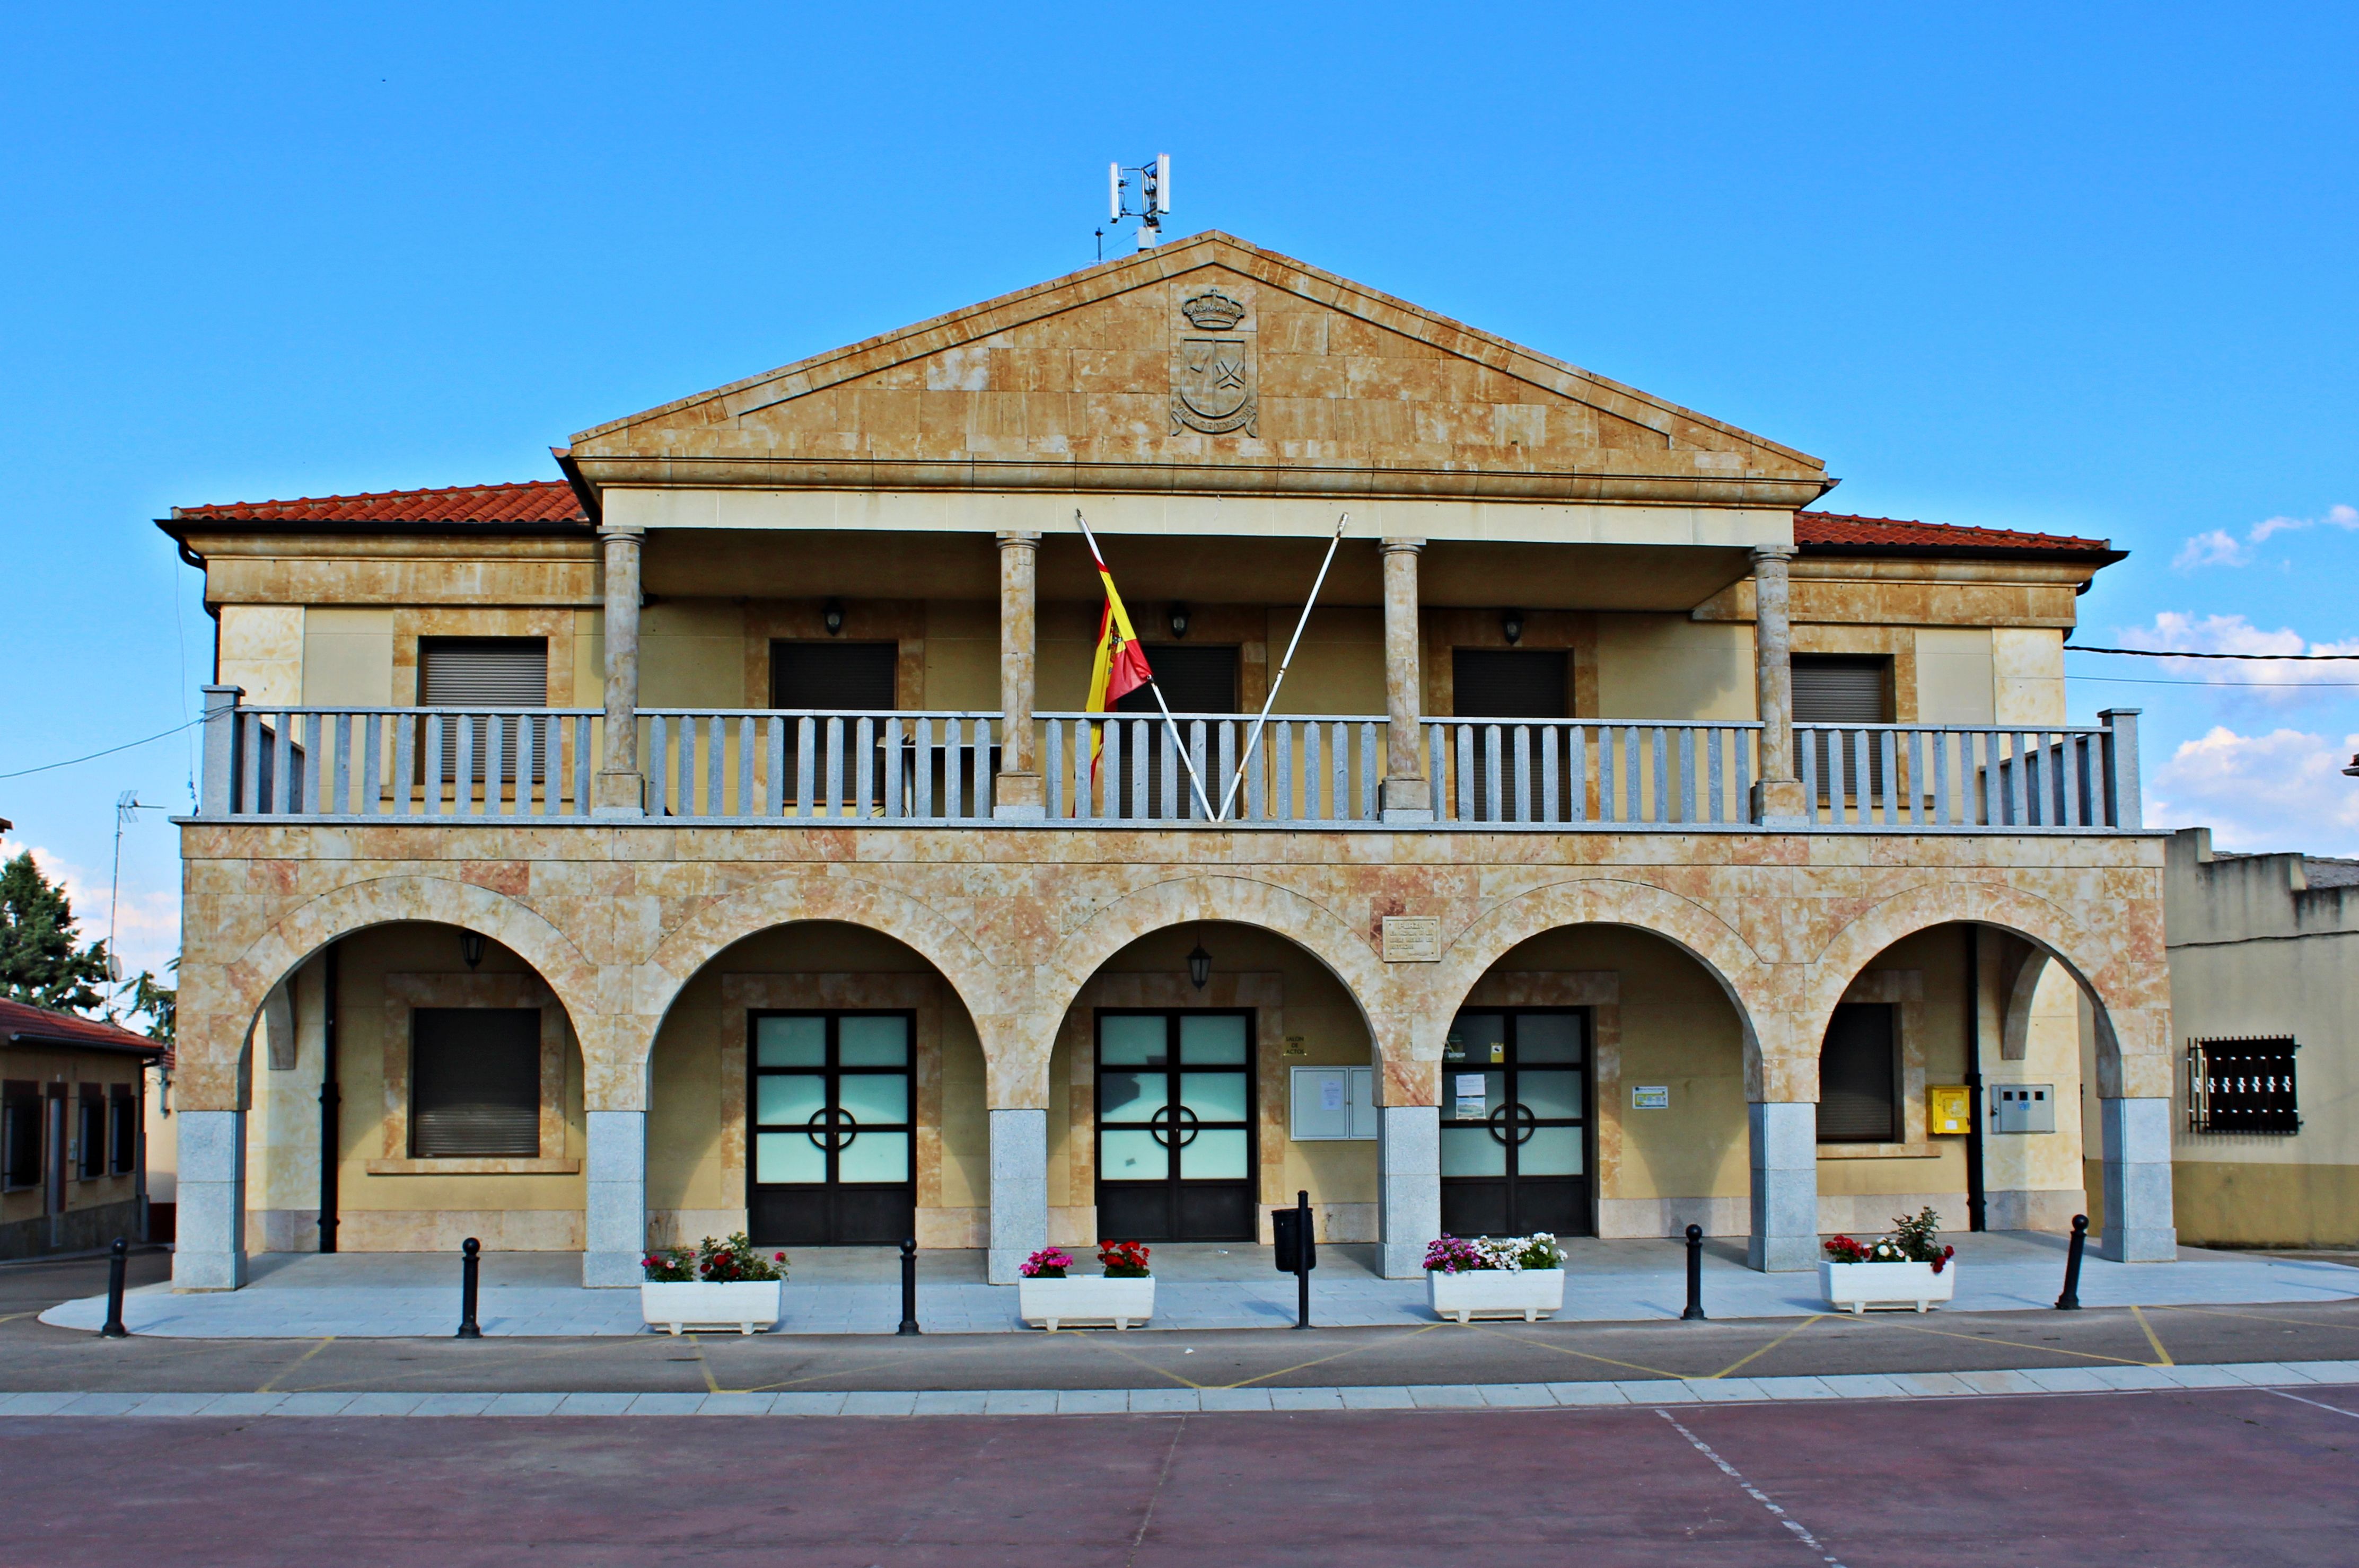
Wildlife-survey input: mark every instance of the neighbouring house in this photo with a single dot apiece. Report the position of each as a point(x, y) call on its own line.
point(2264, 979)
point(715, 837)
point(72, 1155)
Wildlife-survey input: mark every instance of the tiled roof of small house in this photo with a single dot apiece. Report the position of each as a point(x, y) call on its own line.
point(1830, 533)
point(21, 1022)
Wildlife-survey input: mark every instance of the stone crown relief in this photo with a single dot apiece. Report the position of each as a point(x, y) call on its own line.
point(1212, 386)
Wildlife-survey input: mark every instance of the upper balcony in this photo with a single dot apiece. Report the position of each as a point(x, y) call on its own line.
point(790, 769)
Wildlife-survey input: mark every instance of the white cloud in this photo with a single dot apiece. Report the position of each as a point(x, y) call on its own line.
point(2175, 631)
point(2218, 547)
point(2285, 790)
point(147, 925)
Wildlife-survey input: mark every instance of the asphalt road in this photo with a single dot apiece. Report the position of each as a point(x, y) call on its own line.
point(2199, 1477)
point(35, 1356)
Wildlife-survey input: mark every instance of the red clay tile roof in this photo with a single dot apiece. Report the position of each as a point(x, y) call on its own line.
point(39, 1025)
point(1835, 532)
point(533, 500)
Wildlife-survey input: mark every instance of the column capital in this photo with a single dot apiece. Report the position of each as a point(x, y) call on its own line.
point(1020, 541)
point(1763, 553)
point(1396, 547)
point(630, 530)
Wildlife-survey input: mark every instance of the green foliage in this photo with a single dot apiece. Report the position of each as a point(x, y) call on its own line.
point(158, 1004)
point(38, 960)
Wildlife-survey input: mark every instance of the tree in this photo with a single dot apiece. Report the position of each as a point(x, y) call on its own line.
point(38, 960)
point(159, 1004)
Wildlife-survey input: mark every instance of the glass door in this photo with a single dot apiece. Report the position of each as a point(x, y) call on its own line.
point(832, 1125)
point(1515, 1123)
point(1175, 1126)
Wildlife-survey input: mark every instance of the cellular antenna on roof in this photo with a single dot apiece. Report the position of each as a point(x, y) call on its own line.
point(1154, 180)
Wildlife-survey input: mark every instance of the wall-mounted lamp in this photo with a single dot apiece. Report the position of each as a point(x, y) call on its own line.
point(1199, 966)
point(471, 948)
point(831, 615)
point(1179, 621)
point(1511, 626)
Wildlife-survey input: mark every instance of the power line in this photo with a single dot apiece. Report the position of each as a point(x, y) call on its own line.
point(127, 745)
point(2166, 654)
point(2273, 685)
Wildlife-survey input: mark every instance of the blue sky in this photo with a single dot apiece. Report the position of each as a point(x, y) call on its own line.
point(2089, 272)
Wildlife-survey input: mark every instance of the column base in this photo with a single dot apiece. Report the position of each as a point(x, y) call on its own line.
point(2135, 1134)
point(619, 795)
point(1779, 802)
point(615, 1210)
point(1019, 797)
point(1408, 1156)
point(1408, 800)
point(1019, 1192)
point(611, 1270)
point(1783, 1135)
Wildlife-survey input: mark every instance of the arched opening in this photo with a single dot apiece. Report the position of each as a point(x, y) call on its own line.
point(1181, 1112)
point(411, 1084)
point(817, 1084)
point(1593, 1083)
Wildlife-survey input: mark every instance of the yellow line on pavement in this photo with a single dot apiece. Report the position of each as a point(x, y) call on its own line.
point(290, 1367)
point(712, 1384)
point(2269, 1317)
point(1773, 1345)
point(14, 1315)
point(1322, 1360)
point(2018, 1345)
point(1093, 1340)
point(814, 1377)
point(2153, 1338)
point(1585, 1356)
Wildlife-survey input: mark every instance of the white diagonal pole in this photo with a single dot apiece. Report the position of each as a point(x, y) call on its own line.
point(1170, 724)
point(1284, 665)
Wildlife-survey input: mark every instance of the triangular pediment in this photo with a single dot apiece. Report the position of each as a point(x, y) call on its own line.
point(1206, 365)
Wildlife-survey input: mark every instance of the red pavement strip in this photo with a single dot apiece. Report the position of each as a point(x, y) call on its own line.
point(2199, 1477)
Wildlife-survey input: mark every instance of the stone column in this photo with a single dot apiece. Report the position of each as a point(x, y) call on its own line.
point(1408, 1190)
point(1019, 794)
point(210, 1254)
point(220, 750)
point(620, 790)
point(1408, 792)
point(1785, 1138)
point(615, 1214)
point(2140, 1227)
point(1019, 1189)
point(1777, 794)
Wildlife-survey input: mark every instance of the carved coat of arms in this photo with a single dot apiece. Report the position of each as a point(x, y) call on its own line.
point(1212, 386)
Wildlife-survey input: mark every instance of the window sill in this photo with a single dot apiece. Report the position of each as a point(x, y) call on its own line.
point(517, 1166)
point(1926, 1151)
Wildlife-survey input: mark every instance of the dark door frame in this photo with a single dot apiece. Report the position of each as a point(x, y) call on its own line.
point(1175, 1186)
point(1514, 1067)
point(890, 1206)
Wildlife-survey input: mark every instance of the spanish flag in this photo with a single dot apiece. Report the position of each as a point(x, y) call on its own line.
point(1119, 666)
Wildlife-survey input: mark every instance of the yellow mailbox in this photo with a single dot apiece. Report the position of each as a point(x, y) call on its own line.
point(1946, 1110)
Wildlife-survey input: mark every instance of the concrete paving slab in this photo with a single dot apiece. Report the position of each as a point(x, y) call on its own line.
point(1794, 1389)
point(1657, 1391)
point(1447, 1397)
point(316, 1404)
point(807, 1404)
point(1723, 1390)
point(879, 1404)
point(1021, 1401)
point(736, 1405)
point(1211, 1400)
point(387, 1404)
point(171, 1404)
point(1596, 1394)
point(666, 1404)
point(595, 1404)
point(1158, 1401)
point(1379, 1399)
point(1092, 1401)
point(951, 1401)
point(1864, 1386)
point(1511, 1396)
point(1305, 1399)
point(525, 1404)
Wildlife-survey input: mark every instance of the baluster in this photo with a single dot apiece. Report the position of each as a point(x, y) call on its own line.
point(1109, 761)
point(1493, 785)
point(1469, 807)
point(1141, 763)
point(805, 765)
point(433, 764)
point(404, 759)
point(495, 756)
point(1715, 773)
point(1888, 758)
point(372, 803)
point(744, 804)
point(1576, 790)
point(1201, 745)
point(1370, 776)
point(831, 742)
point(1810, 772)
point(1520, 747)
point(774, 767)
point(2023, 794)
point(1552, 765)
point(1683, 763)
point(863, 765)
point(1742, 741)
point(525, 751)
point(2098, 813)
point(1225, 731)
point(1280, 801)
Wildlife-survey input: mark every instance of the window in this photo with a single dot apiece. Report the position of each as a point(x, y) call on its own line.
point(486, 672)
point(1832, 689)
point(475, 1082)
point(1511, 683)
point(90, 1136)
point(1859, 1076)
point(20, 1134)
point(854, 677)
point(2243, 1085)
point(1195, 678)
point(123, 1138)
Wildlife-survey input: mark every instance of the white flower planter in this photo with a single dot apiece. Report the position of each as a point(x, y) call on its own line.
point(1858, 1286)
point(1085, 1298)
point(746, 1305)
point(1530, 1294)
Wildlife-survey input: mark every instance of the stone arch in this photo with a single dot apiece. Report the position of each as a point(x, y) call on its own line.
point(1694, 929)
point(1312, 926)
point(978, 982)
point(240, 987)
point(2128, 994)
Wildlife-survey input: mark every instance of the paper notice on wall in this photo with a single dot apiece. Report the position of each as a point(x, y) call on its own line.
point(1472, 1099)
point(1331, 1093)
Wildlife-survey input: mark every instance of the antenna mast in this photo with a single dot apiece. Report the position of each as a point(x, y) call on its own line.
point(1153, 179)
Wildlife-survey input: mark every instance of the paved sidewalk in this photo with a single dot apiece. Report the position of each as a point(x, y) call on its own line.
point(2332, 1376)
point(846, 1291)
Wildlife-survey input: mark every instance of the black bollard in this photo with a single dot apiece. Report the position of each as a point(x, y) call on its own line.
point(471, 1264)
point(1306, 1257)
point(1694, 1313)
point(114, 1329)
point(909, 1288)
point(2071, 1300)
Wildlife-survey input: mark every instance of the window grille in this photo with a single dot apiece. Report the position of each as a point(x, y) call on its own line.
point(2243, 1085)
point(1859, 1076)
point(475, 1082)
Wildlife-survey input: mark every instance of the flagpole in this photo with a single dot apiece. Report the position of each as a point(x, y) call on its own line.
point(1284, 665)
point(1169, 723)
